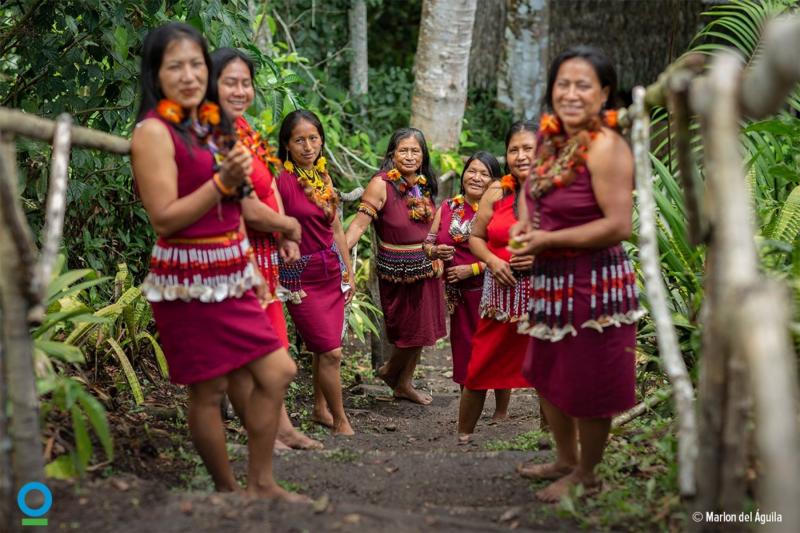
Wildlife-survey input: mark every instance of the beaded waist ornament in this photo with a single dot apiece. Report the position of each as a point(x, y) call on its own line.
point(405, 263)
point(291, 289)
point(265, 248)
point(614, 297)
point(208, 269)
point(502, 303)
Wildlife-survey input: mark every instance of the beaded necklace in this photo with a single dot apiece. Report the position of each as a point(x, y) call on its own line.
point(257, 145)
point(317, 186)
point(417, 196)
point(459, 228)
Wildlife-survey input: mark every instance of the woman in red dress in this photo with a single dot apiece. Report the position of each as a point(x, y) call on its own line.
point(399, 199)
point(202, 276)
point(497, 349)
point(318, 283)
point(584, 307)
point(232, 85)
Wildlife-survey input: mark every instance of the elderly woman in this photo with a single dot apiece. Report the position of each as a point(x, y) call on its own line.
point(399, 199)
point(584, 308)
point(497, 349)
point(231, 84)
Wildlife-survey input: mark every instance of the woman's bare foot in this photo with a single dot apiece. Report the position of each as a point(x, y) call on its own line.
point(299, 441)
point(280, 446)
point(544, 471)
point(343, 428)
point(322, 417)
point(383, 373)
point(275, 492)
point(499, 415)
point(558, 489)
point(464, 438)
point(412, 395)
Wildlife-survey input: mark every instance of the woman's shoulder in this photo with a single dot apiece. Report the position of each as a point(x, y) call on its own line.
point(151, 131)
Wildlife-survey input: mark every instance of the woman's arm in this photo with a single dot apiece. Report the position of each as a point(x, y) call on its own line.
point(278, 197)
point(374, 195)
point(438, 251)
point(261, 217)
point(611, 165)
point(156, 174)
point(341, 243)
point(478, 237)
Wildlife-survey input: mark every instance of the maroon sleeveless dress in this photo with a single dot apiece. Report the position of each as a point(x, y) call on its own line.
point(464, 297)
point(200, 285)
point(412, 296)
point(498, 351)
point(316, 303)
point(582, 315)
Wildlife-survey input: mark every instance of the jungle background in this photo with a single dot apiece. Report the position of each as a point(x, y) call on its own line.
point(112, 422)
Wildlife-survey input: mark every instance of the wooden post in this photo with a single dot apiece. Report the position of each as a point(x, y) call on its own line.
point(6, 484)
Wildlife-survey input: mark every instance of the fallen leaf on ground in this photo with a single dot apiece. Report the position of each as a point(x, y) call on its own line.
point(321, 504)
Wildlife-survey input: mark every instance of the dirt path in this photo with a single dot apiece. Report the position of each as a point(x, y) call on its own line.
point(403, 471)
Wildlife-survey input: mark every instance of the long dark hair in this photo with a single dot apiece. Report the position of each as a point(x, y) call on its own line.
point(289, 122)
point(426, 169)
point(220, 58)
point(518, 127)
point(155, 44)
point(490, 161)
point(602, 66)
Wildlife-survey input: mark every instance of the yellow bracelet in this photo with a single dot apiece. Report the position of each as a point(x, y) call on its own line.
point(224, 191)
point(476, 269)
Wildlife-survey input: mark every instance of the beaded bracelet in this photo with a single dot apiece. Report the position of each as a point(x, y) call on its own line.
point(221, 188)
point(368, 210)
point(476, 269)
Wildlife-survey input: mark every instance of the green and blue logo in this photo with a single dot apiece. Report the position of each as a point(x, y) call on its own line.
point(34, 517)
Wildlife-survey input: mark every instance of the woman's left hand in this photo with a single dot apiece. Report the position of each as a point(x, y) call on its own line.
point(262, 291)
point(348, 296)
point(458, 272)
point(289, 251)
point(529, 243)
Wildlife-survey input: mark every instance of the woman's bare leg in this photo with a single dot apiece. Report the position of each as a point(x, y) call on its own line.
point(470, 408)
point(321, 412)
point(405, 385)
point(565, 434)
point(330, 383)
point(502, 398)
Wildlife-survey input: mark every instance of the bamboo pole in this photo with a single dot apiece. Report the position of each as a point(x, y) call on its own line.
point(43, 129)
point(671, 358)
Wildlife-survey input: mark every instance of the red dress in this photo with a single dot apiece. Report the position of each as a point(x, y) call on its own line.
point(498, 351)
point(265, 244)
point(464, 297)
point(583, 314)
point(412, 296)
point(316, 304)
point(199, 285)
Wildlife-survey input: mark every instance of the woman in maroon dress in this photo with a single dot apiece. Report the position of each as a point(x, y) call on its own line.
point(318, 283)
point(232, 85)
point(584, 307)
point(497, 349)
point(202, 275)
point(400, 201)
point(463, 271)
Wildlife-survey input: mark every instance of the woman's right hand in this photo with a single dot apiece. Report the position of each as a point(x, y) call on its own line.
point(236, 167)
point(501, 271)
point(444, 252)
point(289, 251)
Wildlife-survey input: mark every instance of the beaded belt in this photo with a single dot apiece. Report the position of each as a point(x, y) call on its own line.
point(208, 269)
point(291, 289)
point(405, 263)
point(503, 303)
point(614, 298)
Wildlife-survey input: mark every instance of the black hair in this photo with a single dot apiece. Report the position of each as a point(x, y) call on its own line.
point(518, 127)
point(602, 66)
point(426, 168)
point(290, 121)
point(489, 161)
point(155, 44)
point(220, 58)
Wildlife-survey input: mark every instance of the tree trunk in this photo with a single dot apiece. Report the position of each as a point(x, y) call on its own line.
point(523, 70)
point(359, 67)
point(487, 42)
point(440, 79)
point(263, 35)
point(6, 493)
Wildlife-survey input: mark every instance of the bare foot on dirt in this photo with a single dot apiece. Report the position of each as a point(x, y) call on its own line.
point(276, 493)
point(464, 438)
point(544, 471)
point(558, 489)
point(383, 373)
point(280, 446)
point(297, 440)
point(412, 395)
point(499, 415)
point(343, 429)
point(322, 417)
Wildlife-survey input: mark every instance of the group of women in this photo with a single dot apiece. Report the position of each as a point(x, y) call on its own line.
point(527, 265)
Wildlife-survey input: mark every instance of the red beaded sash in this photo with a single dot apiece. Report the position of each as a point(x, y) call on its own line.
point(208, 269)
point(502, 303)
point(614, 298)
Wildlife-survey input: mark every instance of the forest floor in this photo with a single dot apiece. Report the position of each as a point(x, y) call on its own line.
point(403, 471)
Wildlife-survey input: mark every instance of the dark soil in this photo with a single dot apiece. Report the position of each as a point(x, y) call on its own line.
point(403, 471)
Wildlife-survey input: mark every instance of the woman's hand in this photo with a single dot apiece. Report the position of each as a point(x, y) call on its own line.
point(262, 291)
point(529, 243)
point(521, 262)
point(501, 271)
point(289, 251)
point(236, 167)
point(443, 252)
point(457, 273)
point(351, 292)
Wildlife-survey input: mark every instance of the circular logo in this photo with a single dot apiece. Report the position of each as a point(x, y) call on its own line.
point(48, 499)
point(697, 516)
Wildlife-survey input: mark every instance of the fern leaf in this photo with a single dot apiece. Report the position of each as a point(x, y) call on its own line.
point(788, 225)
